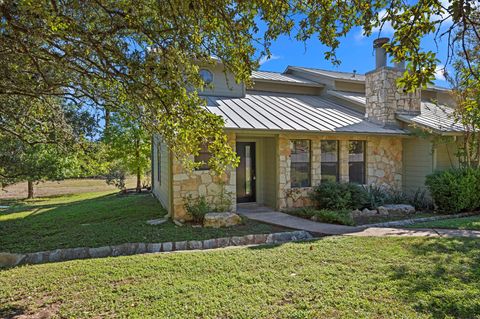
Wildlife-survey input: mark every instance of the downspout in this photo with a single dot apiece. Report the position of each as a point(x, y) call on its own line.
point(152, 171)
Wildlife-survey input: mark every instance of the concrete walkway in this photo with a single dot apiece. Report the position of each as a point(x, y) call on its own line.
point(267, 215)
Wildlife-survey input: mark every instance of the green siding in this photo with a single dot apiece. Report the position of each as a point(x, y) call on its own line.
point(446, 156)
point(161, 189)
point(418, 162)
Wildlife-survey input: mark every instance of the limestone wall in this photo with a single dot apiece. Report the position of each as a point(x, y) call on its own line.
point(383, 165)
point(200, 183)
point(384, 98)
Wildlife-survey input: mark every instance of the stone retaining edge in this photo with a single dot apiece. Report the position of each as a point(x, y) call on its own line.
point(411, 221)
point(12, 259)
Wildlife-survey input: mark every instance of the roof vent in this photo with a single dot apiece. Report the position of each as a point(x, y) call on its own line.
point(380, 52)
point(354, 73)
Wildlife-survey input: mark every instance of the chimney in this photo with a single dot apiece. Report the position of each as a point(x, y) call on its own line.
point(384, 100)
point(380, 52)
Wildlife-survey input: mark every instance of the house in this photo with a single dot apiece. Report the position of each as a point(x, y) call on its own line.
point(294, 129)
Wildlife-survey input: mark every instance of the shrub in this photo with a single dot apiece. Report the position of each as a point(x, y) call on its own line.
point(197, 208)
point(342, 217)
point(116, 176)
point(420, 200)
point(376, 196)
point(455, 190)
point(339, 196)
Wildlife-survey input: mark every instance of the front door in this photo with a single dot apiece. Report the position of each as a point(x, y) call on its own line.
point(246, 172)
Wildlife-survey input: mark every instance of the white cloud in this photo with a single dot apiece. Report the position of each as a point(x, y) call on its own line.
point(385, 29)
point(439, 72)
point(265, 59)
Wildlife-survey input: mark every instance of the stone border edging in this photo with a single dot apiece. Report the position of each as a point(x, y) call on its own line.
point(412, 221)
point(12, 259)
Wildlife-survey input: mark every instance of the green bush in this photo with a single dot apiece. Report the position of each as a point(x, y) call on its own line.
point(197, 208)
point(342, 217)
point(339, 196)
point(455, 190)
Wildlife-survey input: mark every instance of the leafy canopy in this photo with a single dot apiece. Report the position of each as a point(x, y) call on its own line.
point(142, 58)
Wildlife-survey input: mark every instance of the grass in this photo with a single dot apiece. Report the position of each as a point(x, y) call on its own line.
point(97, 219)
point(334, 277)
point(472, 222)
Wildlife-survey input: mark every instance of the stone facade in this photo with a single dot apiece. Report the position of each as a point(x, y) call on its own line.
point(384, 99)
point(200, 183)
point(383, 165)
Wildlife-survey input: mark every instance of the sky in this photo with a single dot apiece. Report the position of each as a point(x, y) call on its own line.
point(355, 52)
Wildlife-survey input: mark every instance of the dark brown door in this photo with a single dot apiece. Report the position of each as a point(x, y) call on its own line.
point(246, 172)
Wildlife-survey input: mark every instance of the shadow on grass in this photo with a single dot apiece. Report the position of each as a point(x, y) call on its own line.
point(449, 285)
point(92, 221)
point(11, 311)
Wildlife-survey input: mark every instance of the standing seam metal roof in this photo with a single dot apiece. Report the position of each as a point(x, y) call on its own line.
point(290, 112)
point(432, 116)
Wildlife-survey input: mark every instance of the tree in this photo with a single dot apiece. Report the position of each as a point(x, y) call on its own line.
point(32, 160)
point(466, 90)
point(117, 55)
point(128, 146)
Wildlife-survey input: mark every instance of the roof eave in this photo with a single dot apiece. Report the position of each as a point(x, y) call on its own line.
point(408, 120)
point(313, 84)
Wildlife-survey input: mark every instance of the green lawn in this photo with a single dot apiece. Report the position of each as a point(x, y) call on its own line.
point(97, 219)
point(334, 277)
point(472, 222)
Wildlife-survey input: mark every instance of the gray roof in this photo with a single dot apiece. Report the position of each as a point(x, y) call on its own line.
point(331, 74)
point(357, 98)
point(290, 112)
point(438, 118)
point(349, 76)
point(276, 76)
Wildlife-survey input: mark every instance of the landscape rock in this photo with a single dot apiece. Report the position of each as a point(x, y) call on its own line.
point(178, 223)
point(209, 244)
point(396, 209)
point(238, 240)
point(10, 260)
point(194, 244)
point(154, 248)
point(158, 221)
point(167, 246)
point(223, 242)
point(100, 252)
point(260, 238)
point(181, 245)
point(217, 220)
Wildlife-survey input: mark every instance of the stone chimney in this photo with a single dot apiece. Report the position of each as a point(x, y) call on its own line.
point(384, 99)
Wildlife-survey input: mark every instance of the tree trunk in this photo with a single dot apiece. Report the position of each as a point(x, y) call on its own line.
point(107, 119)
point(30, 189)
point(137, 156)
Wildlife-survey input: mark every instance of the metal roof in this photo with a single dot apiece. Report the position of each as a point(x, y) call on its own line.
point(349, 76)
point(357, 98)
point(336, 75)
point(438, 118)
point(276, 76)
point(290, 112)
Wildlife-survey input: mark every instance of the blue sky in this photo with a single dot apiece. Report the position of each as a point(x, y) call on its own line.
point(355, 52)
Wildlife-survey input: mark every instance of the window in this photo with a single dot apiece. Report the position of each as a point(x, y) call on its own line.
point(300, 163)
point(159, 163)
point(356, 162)
point(206, 76)
point(203, 156)
point(329, 160)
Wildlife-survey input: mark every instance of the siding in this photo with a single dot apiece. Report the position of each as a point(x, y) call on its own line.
point(223, 84)
point(161, 186)
point(446, 156)
point(417, 162)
